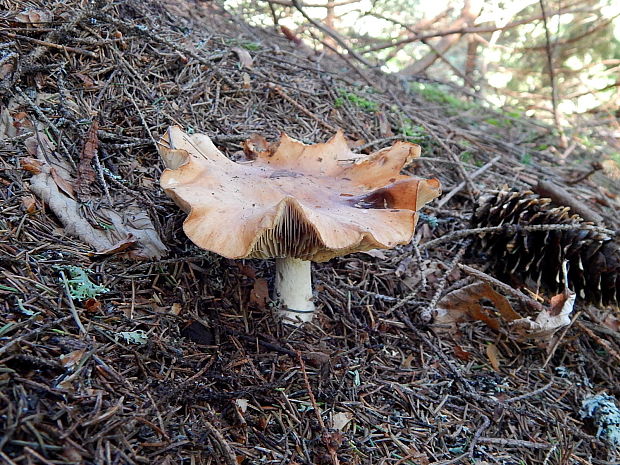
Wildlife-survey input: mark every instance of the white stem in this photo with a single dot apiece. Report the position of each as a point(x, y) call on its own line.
point(294, 289)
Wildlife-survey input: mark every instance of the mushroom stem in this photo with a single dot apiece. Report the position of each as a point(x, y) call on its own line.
point(294, 289)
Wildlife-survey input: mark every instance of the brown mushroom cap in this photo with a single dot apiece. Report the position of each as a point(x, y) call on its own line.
point(312, 202)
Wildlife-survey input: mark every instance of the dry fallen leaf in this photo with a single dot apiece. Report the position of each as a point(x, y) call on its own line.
point(72, 358)
point(175, 308)
point(29, 203)
point(244, 57)
point(548, 321)
point(62, 183)
point(119, 247)
point(32, 165)
point(341, 420)
point(34, 17)
point(242, 404)
point(462, 354)
point(88, 82)
point(92, 305)
point(259, 296)
point(255, 145)
point(493, 356)
point(466, 303)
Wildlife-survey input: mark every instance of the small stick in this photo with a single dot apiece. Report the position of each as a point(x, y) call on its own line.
point(33, 332)
point(551, 350)
point(325, 435)
point(473, 175)
point(529, 394)
point(562, 197)
point(304, 110)
point(513, 228)
point(227, 452)
point(427, 312)
point(49, 44)
point(485, 424)
point(600, 341)
point(514, 443)
point(74, 312)
point(503, 286)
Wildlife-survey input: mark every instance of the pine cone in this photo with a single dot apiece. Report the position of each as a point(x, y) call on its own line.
point(535, 257)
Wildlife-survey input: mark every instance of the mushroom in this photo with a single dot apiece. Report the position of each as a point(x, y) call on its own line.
point(294, 202)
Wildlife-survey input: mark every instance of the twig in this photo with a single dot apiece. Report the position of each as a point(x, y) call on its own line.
point(50, 44)
point(301, 108)
point(461, 30)
point(600, 341)
point(512, 229)
point(503, 286)
point(339, 40)
point(427, 312)
point(485, 424)
point(472, 176)
point(552, 78)
point(514, 443)
point(529, 394)
point(33, 332)
point(225, 449)
point(74, 312)
point(325, 435)
point(561, 196)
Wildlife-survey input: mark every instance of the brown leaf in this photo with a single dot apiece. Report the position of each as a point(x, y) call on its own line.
point(548, 321)
point(255, 146)
point(32, 165)
point(85, 174)
point(34, 17)
point(92, 305)
point(341, 420)
point(246, 270)
point(259, 296)
point(7, 68)
point(86, 80)
point(557, 303)
point(290, 35)
point(466, 303)
point(70, 359)
point(29, 203)
point(462, 354)
point(175, 308)
point(494, 356)
point(244, 57)
point(117, 248)
point(62, 184)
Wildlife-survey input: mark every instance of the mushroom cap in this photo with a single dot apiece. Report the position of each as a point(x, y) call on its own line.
point(312, 202)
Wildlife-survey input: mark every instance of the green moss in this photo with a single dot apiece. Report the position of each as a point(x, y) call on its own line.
point(432, 93)
point(526, 158)
point(415, 133)
point(360, 102)
point(251, 46)
point(499, 122)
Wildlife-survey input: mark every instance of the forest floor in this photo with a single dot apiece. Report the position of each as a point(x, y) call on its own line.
point(123, 343)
